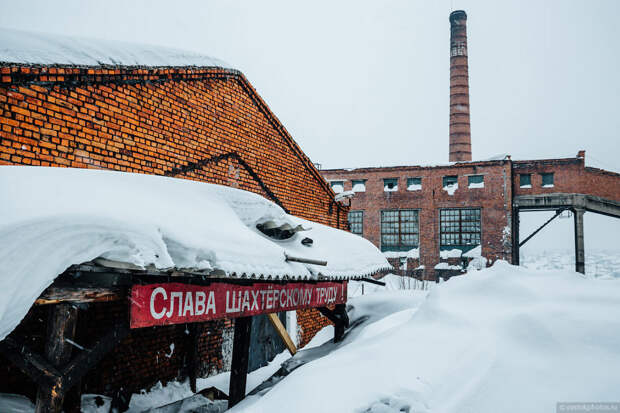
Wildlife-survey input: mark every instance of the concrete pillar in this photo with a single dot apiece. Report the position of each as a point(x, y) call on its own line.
point(580, 257)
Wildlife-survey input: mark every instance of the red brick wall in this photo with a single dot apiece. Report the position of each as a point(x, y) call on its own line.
point(310, 322)
point(201, 124)
point(501, 180)
point(494, 200)
point(570, 176)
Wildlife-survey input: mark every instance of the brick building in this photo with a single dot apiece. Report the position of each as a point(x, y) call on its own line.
point(421, 214)
point(156, 111)
point(433, 217)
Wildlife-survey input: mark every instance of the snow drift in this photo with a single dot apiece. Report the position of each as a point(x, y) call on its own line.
point(24, 47)
point(504, 339)
point(52, 218)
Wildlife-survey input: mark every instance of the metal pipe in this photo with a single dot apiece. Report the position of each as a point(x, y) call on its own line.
point(305, 260)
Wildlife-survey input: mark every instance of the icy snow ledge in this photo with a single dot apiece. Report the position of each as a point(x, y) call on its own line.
point(23, 47)
point(53, 218)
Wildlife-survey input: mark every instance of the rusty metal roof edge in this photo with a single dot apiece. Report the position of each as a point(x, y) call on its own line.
point(213, 275)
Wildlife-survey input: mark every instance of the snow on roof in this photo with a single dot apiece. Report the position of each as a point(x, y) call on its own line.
point(53, 218)
point(24, 47)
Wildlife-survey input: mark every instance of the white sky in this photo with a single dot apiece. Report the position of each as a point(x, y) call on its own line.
point(365, 83)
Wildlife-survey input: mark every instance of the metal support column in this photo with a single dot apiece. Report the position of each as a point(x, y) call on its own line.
point(515, 236)
point(580, 259)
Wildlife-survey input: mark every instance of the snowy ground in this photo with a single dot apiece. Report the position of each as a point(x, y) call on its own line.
point(503, 339)
point(599, 263)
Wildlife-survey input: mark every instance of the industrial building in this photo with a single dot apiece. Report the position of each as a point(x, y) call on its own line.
point(434, 221)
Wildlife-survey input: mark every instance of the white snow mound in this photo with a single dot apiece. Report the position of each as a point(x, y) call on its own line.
point(24, 47)
point(503, 339)
point(53, 218)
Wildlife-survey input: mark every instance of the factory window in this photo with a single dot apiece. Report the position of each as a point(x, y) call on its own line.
point(390, 184)
point(400, 229)
point(475, 181)
point(525, 180)
point(356, 222)
point(337, 186)
point(449, 181)
point(459, 228)
point(359, 185)
point(547, 180)
point(414, 184)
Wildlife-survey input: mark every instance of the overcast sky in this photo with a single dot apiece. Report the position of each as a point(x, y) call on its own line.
point(366, 83)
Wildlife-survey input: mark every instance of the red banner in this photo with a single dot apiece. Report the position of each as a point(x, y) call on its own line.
point(174, 303)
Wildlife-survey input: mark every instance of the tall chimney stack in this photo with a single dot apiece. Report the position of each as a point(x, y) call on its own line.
point(460, 132)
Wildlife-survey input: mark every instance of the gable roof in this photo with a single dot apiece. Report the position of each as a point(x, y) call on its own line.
point(24, 48)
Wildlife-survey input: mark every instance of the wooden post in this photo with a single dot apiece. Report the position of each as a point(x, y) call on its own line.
point(192, 356)
point(281, 330)
point(240, 356)
point(580, 264)
point(60, 327)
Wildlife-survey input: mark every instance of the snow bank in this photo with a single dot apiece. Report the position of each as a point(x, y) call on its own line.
point(412, 253)
point(359, 187)
point(14, 403)
point(23, 47)
point(453, 253)
point(451, 189)
point(504, 339)
point(392, 282)
point(55, 217)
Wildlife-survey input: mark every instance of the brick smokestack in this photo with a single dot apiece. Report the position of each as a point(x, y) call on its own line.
point(460, 133)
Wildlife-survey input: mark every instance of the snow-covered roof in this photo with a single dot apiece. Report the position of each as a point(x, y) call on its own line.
point(53, 218)
point(24, 47)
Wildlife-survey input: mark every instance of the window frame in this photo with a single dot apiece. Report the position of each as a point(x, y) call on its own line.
point(385, 184)
point(446, 177)
point(361, 222)
point(460, 244)
point(469, 181)
point(521, 184)
point(409, 179)
point(331, 185)
point(355, 181)
point(415, 233)
point(542, 179)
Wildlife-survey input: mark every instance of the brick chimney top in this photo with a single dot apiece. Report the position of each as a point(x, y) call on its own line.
point(457, 15)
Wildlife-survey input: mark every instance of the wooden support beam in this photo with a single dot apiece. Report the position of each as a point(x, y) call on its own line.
point(240, 356)
point(281, 330)
point(32, 364)
point(339, 317)
point(80, 365)
point(56, 295)
point(192, 354)
point(60, 327)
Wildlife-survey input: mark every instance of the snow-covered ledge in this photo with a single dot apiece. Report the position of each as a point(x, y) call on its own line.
point(53, 218)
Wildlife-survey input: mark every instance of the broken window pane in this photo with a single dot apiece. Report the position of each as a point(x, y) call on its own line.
point(400, 229)
point(459, 227)
point(356, 222)
point(390, 184)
